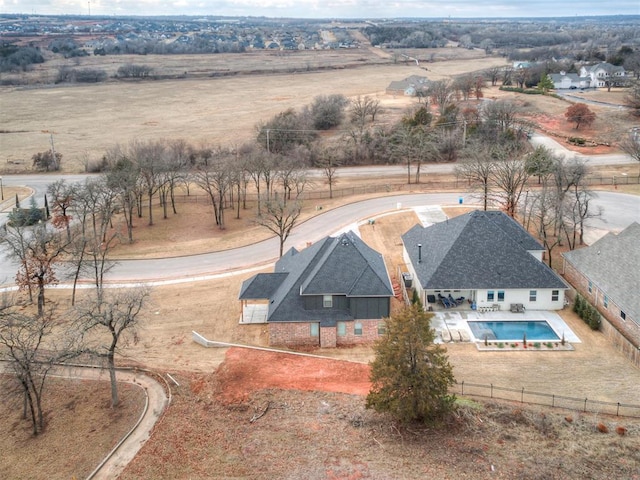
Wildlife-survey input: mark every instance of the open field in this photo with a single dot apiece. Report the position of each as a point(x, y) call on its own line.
point(86, 120)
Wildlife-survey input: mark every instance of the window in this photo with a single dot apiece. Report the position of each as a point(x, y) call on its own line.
point(490, 295)
point(623, 315)
point(327, 301)
point(555, 294)
point(315, 329)
point(382, 328)
point(590, 287)
point(533, 294)
point(605, 301)
point(342, 329)
point(501, 295)
point(357, 329)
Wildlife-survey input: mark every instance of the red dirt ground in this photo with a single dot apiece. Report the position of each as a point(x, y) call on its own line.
point(245, 371)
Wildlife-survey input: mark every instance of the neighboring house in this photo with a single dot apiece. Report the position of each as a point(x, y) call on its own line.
point(603, 73)
point(522, 65)
point(565, 80)
point(410, 86)
point(486, 257)
point(335, 292)
point(607, 274)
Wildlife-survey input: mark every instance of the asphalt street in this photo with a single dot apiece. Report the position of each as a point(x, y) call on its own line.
point(619, 210)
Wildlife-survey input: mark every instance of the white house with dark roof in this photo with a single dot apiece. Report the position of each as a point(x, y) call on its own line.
point(334, 292)
point(563, 81)
point(603, 73)
point(485, 257)
point(410, 86)
point(607, 274)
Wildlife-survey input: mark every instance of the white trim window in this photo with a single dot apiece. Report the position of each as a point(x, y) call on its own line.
point(327, 301)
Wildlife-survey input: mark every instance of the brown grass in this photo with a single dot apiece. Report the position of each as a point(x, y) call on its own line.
point(81, 427)
point(88, 119)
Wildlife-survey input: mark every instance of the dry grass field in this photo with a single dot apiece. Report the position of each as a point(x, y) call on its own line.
point(86, 120)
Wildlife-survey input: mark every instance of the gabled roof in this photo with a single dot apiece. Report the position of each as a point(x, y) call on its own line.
point(479, 250)
point(342, 265)
point(604, 66)
point(613, 264)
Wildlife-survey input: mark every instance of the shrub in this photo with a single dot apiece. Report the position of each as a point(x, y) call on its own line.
point(500, 345)
point(536, 345)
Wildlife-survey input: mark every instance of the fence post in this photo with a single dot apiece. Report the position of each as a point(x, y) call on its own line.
point(618, 410)
point(491, 385)
point(463, 389)
point(522, 396)
point(585, 405)
point(553, 400)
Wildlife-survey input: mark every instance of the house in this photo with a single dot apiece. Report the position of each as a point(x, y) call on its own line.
point(565, 80)
point(607, 274)
point(520, 65)
point(335, 292)
point(410, 86)
point(485, 257)
point(603, 74)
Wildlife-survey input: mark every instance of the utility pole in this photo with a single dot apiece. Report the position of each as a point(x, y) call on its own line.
point(53, 154)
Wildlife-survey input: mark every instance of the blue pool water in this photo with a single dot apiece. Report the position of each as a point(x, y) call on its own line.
point(513, 330)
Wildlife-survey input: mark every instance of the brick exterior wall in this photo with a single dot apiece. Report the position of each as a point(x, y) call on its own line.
point(369, 333)
point(292, 334)
point(623, 334)
point(298, 334)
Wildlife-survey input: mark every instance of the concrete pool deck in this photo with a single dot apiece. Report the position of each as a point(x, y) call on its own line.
point(452, 325)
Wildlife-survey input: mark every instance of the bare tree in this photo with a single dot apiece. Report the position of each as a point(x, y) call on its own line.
point(441, 94)
point(510, 176)
point(122, 178)
point(215, 179)
point(30, 350)
point(631, 145)
point(329, 162)
point(149, 157)
point(279, 217)
point(478, 170)
point(114, 317)
point(500, 115)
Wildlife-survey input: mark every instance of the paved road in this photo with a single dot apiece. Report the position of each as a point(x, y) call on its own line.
point(620, 210)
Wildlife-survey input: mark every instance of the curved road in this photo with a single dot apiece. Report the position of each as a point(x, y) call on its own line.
point(620, 210)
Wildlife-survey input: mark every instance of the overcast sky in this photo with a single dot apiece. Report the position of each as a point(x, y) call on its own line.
point(328, 9)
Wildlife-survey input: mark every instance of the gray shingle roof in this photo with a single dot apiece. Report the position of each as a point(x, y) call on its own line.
point(479, 250)
point(342, 265)
point(262, 285)
point(613, 264)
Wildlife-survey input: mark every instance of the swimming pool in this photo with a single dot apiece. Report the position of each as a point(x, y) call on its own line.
point(513, 330)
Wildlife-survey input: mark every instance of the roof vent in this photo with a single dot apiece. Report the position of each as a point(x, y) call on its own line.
point(419, 253)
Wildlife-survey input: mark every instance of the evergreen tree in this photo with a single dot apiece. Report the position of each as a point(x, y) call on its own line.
point(411, 375)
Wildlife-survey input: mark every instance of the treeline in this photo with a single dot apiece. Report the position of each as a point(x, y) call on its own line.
point(190, 45)
point(420, 36)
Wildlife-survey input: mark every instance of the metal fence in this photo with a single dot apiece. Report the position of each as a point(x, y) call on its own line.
point(547, 399)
